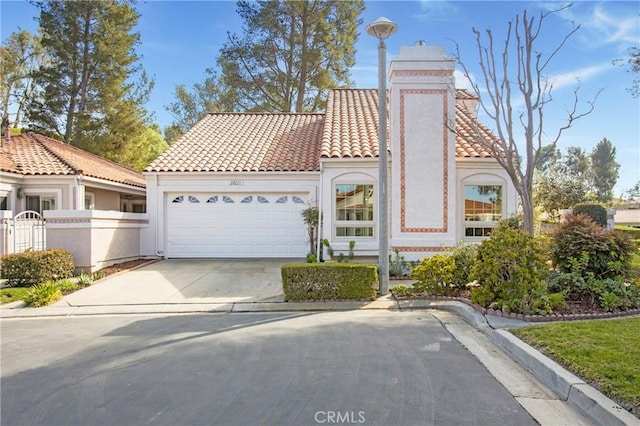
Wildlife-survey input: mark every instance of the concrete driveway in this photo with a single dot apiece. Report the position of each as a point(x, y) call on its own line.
point(187, 281)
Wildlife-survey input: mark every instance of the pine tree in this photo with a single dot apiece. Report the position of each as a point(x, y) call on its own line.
point(604, 170)
point(290, 54)
point(88, 97)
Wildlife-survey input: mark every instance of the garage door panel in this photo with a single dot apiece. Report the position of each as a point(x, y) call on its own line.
point(250, 229)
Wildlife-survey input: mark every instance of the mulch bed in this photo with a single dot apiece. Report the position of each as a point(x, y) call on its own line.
point(573, 311)
point(124, 266)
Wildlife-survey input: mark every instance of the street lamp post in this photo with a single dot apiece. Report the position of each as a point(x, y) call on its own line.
point(382, 28)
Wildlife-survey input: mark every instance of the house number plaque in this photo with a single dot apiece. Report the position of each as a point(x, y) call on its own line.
point(236, 182)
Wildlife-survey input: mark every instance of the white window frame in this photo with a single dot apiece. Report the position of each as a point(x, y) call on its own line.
point(480, 224)
point(46, 194)
point(354, 223)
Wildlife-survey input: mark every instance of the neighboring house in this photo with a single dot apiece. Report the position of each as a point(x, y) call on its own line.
point(88, 202)
point(39, 173)
point(235, 184)
point(628, 217)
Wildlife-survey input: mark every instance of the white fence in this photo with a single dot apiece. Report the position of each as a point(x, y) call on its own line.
point(25, 231)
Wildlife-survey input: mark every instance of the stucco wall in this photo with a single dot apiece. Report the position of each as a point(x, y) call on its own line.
point(104, 200)
point(96, 238)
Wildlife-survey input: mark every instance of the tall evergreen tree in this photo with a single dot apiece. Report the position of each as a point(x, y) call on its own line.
point(604, 170)
point(191, 105)
point(21, 55)
point(93, 88)
point(290, 54)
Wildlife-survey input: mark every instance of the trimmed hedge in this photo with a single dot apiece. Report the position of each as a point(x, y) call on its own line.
point(329, 281)
point(35, 267)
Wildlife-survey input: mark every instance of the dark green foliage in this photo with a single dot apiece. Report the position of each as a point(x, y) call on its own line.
point(34, 267)
point(288, 55)
point(579, 284)
point(596, 212)
point(604, 170)
point(435, 275)
point(608, 253)
point(464, 257)
point(511, 271)
point(329, 281)
point(92, 90)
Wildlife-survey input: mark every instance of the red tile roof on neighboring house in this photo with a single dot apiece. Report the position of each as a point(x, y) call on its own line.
point(34, 154)
point(247, 142)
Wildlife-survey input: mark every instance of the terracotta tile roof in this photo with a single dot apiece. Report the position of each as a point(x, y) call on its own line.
point(468, 131)
point(351, 124)
point(246, 142)
point(251, 142)
point(34, 154)
point(464, 94)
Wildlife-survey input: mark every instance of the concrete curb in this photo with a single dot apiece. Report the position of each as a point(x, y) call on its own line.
point(591, 402)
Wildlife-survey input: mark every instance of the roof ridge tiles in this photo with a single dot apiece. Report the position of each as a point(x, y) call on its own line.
point(36, 138)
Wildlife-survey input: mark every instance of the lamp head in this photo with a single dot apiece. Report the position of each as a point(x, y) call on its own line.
point(382, 28)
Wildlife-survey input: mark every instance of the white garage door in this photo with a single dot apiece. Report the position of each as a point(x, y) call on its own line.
point(236, 225)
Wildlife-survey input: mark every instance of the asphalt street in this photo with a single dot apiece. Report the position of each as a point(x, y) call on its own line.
point(355, 367)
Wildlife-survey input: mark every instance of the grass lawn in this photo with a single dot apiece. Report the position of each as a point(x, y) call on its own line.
point(605, 353)
point(11, 294)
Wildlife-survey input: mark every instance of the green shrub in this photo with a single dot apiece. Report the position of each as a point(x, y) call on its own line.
point(66, 286)
point(398, 267)
point(402, 290)
point(596, 212)
point(33, 267)
point(84, 279)
point(329, 281)
point(511, 271)
point(43, 294)
point(435, 275)
point(340, 257)
point(464, 257)
point(609, 252)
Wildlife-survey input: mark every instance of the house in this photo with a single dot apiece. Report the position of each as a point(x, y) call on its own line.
point(92, 206)
point(234, 185)
point(39, 173)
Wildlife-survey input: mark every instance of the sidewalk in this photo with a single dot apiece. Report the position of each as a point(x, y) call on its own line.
point(567, 386)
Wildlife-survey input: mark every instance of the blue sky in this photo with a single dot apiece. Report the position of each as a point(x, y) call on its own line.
point(181, 39)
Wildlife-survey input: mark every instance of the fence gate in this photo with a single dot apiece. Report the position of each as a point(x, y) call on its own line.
point(29, 232)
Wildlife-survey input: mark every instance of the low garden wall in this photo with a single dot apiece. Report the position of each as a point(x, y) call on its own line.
point(96, 238)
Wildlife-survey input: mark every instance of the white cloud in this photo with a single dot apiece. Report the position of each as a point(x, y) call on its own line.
point(431, 10)
point(614, 28)
point(578, 76)
point(603, 23)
